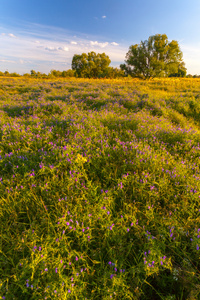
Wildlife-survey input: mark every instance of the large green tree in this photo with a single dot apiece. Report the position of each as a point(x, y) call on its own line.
point(91, 65)
point(154, 57)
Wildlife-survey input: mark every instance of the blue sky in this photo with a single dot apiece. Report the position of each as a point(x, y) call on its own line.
point(45, 34)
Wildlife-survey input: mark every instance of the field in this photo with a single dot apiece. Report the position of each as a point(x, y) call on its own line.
point(99, 189)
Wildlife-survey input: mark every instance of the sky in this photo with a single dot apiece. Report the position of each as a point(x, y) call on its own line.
point(43, 35)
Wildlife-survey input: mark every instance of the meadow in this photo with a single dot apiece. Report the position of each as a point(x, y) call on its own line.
point(99, 189)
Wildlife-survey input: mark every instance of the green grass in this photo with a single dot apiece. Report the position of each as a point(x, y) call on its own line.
point(99, 189)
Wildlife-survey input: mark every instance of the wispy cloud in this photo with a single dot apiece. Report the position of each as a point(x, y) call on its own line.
point(8, 34)
point(43, 48)
point(114, 44)
point(7, 61)
point(101, 45)
point(103, 17)
point(11, 35)
point(54, 49)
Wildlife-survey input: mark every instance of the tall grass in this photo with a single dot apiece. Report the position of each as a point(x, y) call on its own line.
point(99, 189)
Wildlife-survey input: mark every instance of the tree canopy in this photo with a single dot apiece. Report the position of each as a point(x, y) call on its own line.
point(155, 57)
point(91, 65)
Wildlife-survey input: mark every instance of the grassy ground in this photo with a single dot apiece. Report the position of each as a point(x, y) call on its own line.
point(99, 189)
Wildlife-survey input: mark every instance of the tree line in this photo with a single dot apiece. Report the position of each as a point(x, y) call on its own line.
point(155, 57)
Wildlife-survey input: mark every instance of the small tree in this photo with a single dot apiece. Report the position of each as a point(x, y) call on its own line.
point(154, 57)
point(90, 65)
point(115, 73)
point(68, 73)
point(55, 73)
point(33, 73)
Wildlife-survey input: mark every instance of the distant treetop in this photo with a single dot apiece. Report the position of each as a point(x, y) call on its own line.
point(155, 57)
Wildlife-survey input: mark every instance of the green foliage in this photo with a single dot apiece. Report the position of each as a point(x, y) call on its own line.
point(68, 73)
point(114, 73)
point(91, 65)
point(7, 74)
point(155, 57)
point(55, 73)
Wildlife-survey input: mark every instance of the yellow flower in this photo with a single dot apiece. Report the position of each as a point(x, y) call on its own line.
point(80, 159)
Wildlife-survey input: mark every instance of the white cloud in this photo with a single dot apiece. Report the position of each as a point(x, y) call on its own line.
point(102, 45)
point(114, 44)
point(11, 35)
point(63, 49)
point(54, 49)
point(51, 49)
point(103, 17)
point(7, 61)
point(42, 48)
point(3, 33)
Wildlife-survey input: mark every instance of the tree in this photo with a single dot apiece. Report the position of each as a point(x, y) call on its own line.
point(33, 73)
point(114, 73)
point(155, 57)
point(68, 73)
point(55, 73)
point(91, 65)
